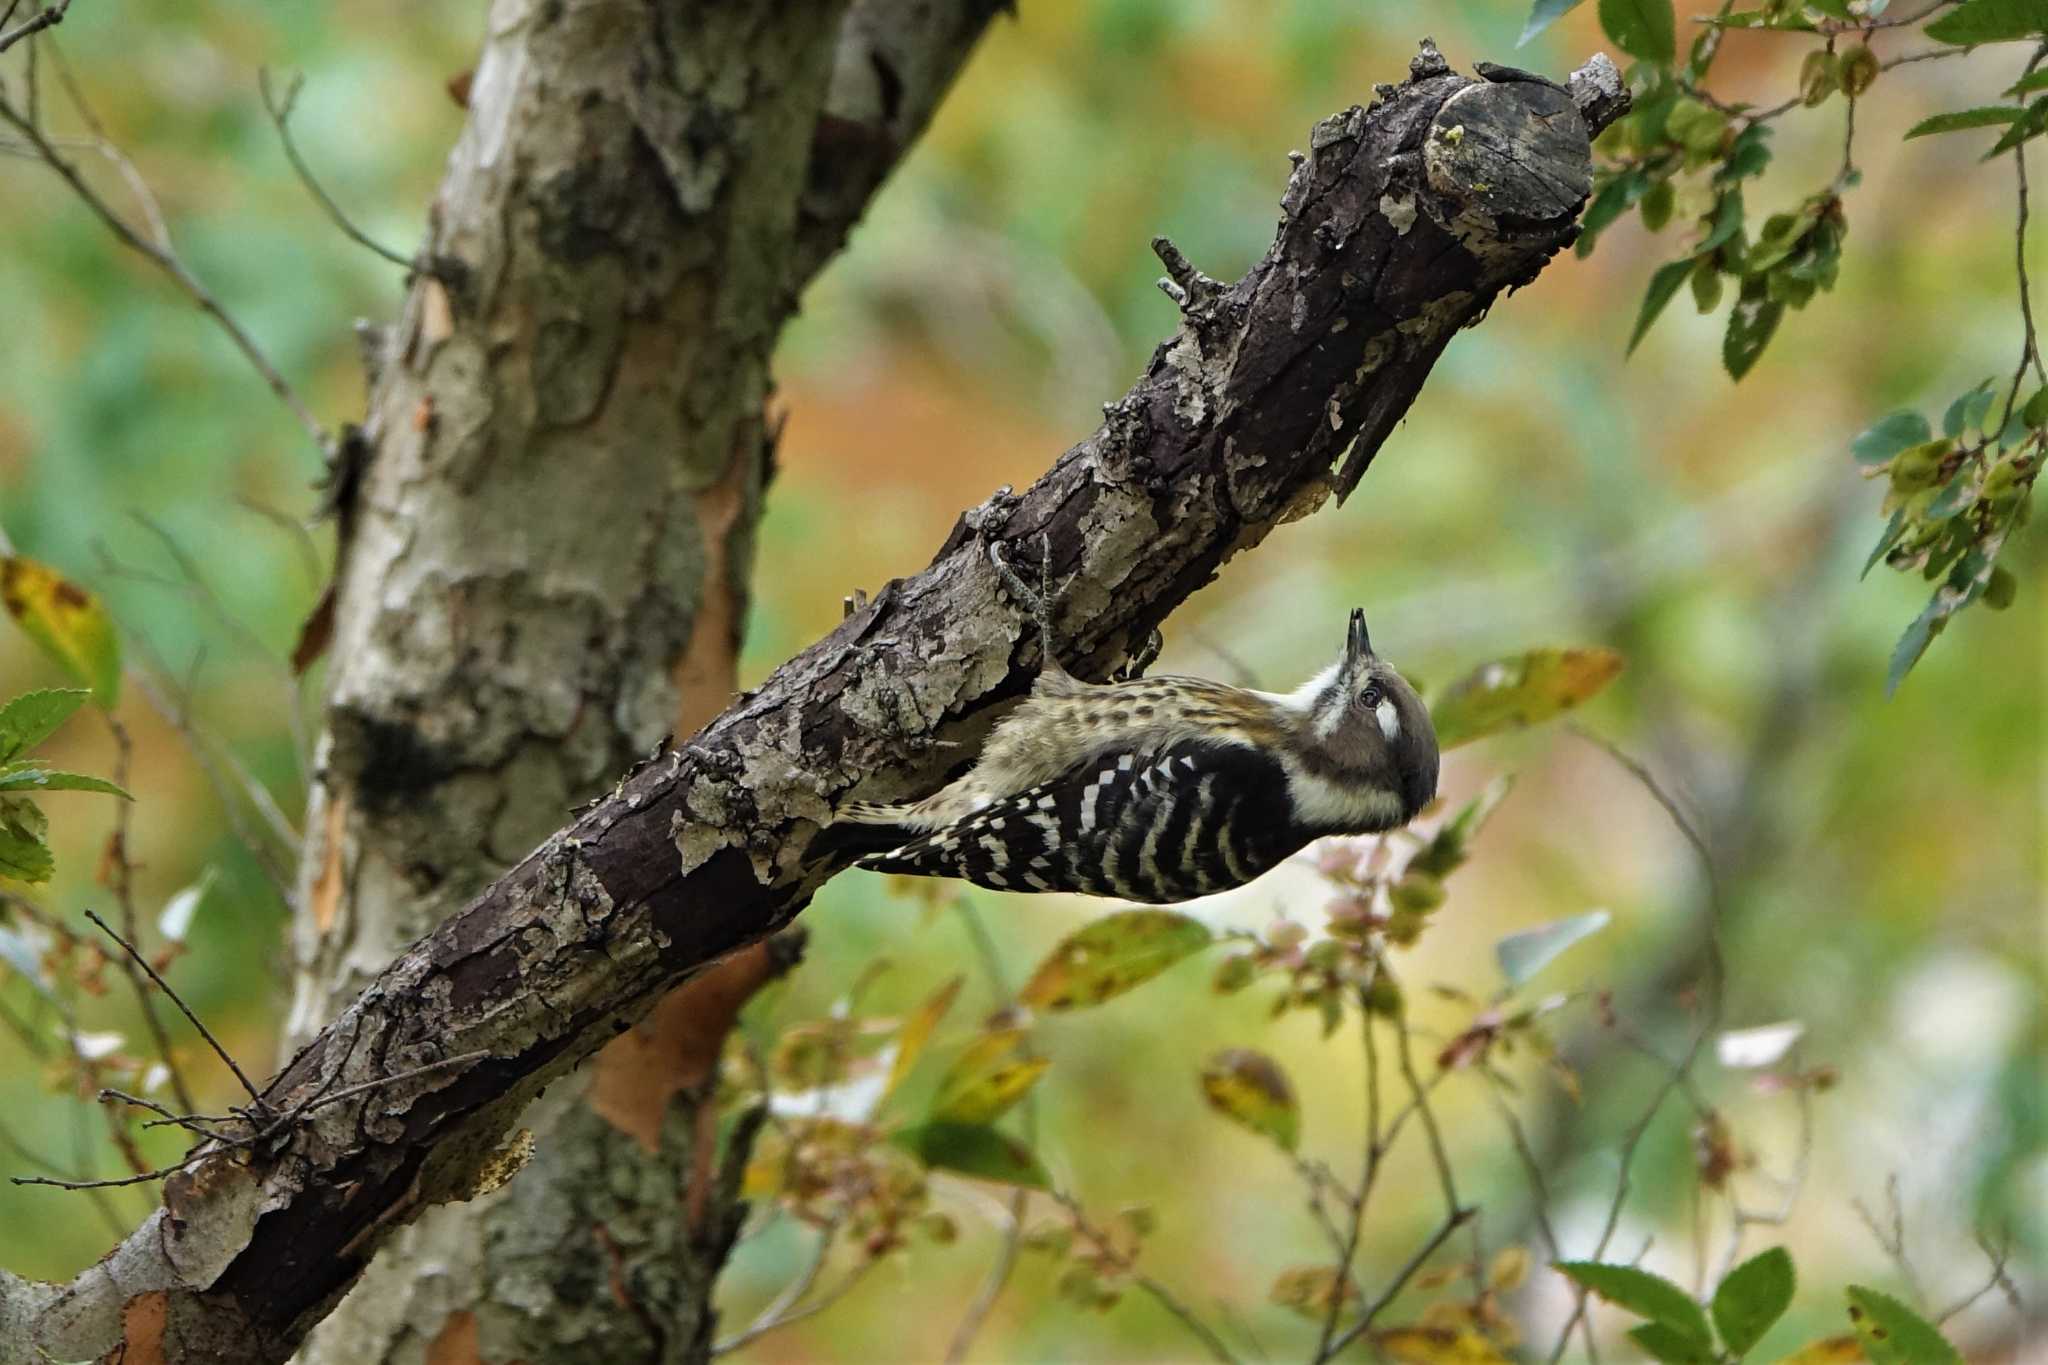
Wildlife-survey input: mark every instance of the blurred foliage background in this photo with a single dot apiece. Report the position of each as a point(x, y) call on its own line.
point(1881, 860)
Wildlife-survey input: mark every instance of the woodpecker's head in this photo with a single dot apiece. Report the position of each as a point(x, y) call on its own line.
point(1368, 730)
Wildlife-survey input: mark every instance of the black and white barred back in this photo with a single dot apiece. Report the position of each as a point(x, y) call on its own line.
point(1162, 827)
point(1166, 788)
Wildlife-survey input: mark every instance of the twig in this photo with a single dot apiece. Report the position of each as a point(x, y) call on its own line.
point(34, 24)
point(1158, 1292)
point(1891, 1236)
point(191, 1123)
point(1453, 1220)
point(1999, 1280)
point(172, 265)
point(1375, 1148)
point(784, 1310)
point(2030, 346)
point(280, 111)
point(123, 878)
point(165, 987)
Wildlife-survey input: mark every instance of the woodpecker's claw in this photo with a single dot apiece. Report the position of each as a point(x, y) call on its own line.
point(1038, 604)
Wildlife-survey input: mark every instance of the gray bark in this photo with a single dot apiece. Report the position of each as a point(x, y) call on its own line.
point(544, 571)
point(1402, 224)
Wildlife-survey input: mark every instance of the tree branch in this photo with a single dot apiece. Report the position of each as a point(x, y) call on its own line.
point(1402, 224)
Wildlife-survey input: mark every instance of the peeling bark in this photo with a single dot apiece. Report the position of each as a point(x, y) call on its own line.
point(1402, 224)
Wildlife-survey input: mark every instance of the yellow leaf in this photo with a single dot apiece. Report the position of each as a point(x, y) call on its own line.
point(1523, 690)
point(985, 1080)
point(67, 621)
point(1112, 955)
point(1438, 1346)
point(1310, 1290)
point(918, 1030)
point(1510, 1267)
point(1251, 1088)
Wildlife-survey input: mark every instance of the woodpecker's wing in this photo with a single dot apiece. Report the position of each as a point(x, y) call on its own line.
point(1193, 818)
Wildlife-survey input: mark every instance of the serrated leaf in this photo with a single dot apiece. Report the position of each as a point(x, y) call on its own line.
point(67, 621)
point(1989, 21)
point(992, 1074)
point(24, 856)
point(1751, 324)
point(1523, 955)
point(33, 717)
point(1752, 1299)
point(2025, 128)
point(1885, 541)
point(1422, 1345)
point(1521, 690)
point(1542, 15)
point(1984, 116)
point(971, 1149)
point(1893, 1334)
point(1912, 644)
point(1112, 955)
point(1446, 850)
point(1663, 288)
point(33, 777)
point(1889, 435)
point(1645, 1295)
point(1249, 1088)
point(1662, 1342)
point(175, 920)
point(918, 1029)
point(1644, 29)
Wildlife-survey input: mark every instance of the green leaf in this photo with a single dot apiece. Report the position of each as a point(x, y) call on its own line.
point(1663, 287)
point(1894, 1334)
point(1523, 955)
point(2035, 412)
point(1249, 1088)
point(1892, 434)
point(1727, 222)
point(1446, 850)
point(1834, 9)
point(67, 621)
point(2025, 128)
point(1665, 1343)
point(32, 777)
point(971, 1149)
point(1913, 644)
point(33, 717)
point(1750, 325)
point(1984, 116)
point(2029, 83)
point(1645, 1295)
point(1885, 542)
point(1521, 690)
point(1753, 1297)
point(1989, 21)
point(23, 855)
point(1112, 955)
point(1969, 410)
point(1644, 29)
point(990, 1076)
point(1542, 15)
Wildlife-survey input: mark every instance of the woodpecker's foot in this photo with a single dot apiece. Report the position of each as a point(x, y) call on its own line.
point(1142, 658)
point(1038, 603)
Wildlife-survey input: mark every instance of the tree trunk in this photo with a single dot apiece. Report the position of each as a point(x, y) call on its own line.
point(544, 570)
point(1402, 224)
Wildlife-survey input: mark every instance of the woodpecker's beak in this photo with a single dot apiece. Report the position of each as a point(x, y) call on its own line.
point(1357, 645)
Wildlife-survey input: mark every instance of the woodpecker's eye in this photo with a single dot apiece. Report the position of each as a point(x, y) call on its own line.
point(1372, 696)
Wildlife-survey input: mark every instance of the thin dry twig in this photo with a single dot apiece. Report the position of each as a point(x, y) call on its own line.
point(1158, 1292)
point(34, 24)
point(1453, 1220)
point(280, 110)
point(167, 260)
point(1999, 1280)
point(785, 1310)
point(249, 1086)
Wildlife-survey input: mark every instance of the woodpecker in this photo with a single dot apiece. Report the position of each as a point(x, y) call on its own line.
point(1163, 789)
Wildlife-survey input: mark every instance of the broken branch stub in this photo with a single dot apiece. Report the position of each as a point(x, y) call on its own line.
point(1403, 222)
